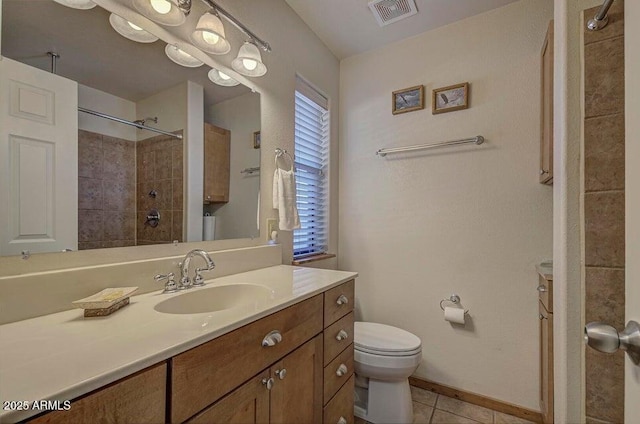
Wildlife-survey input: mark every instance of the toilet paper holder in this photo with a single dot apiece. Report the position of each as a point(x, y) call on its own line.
point(455, 299)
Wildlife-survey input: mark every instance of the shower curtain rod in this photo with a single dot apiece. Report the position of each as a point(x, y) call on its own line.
point(124, 121)
point(600, 20)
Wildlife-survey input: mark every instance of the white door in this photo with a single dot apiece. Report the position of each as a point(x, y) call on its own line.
point(38, 160)
point(632, 197)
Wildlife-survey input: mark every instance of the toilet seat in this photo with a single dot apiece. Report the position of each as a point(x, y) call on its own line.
point(385, 340)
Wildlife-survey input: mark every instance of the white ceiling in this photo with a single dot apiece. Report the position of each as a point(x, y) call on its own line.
point(347, 27)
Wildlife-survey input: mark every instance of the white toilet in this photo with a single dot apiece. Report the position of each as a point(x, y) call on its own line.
point(385, 357)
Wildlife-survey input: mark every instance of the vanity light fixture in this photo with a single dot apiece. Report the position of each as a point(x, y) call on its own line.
point(249, 62)
point(165, 12)
point(77, 4)
point(181, 57)
point(130, 31)
point(209, 35)
point(221, 78)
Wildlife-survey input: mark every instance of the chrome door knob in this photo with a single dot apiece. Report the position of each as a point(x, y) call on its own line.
point(281, 374)
point(342, 335)
point(268, 382)
point(342, 420)
point(605, 338)
point(342, 370)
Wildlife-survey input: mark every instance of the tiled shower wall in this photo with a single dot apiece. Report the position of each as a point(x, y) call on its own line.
point(160, 169)
point(604, 209)
point(106, 191)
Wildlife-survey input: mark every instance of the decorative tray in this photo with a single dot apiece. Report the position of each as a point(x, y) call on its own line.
point(105, 302)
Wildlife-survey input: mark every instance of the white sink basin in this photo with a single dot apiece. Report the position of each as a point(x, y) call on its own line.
point(215, 298)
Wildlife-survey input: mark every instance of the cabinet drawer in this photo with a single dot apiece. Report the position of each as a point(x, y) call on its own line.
point(338, 302)
point(338, 336)
point(340, 409)
point(139, 398)
point(545, 293)
point(338, 372)
point(202, 375)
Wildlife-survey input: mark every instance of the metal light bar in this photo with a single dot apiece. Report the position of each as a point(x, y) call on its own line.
point(600, 20)
point(124, 121)
point(476, 140)
point(257, 40)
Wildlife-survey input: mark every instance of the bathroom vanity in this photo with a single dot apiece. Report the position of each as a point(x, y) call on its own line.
point(288, 358)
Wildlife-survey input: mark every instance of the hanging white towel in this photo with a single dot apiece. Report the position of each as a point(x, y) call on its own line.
point(284, 199)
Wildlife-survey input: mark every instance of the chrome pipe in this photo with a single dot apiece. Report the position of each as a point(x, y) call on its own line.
point(476, 140)
point(600, 19)
point(124, 121)
point(257, 40)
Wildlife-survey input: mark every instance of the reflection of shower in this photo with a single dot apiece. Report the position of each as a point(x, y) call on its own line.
point(142, 121)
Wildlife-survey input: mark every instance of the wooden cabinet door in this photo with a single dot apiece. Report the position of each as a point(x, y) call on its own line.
point(546, 364)
point(296, 396)
point(217, 158)
point(139, 398)
point(248, 404)
point(546, 130)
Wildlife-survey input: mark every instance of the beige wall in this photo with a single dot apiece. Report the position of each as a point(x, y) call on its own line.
point(241, 116)
point(97, 100)
point(169, 106)
point(467, 220)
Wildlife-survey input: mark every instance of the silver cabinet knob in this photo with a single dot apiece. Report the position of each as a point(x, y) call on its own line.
point(542, 288)
point(605, 338)
point(273, 338)
point(541, 317)
point(268, 382)
point(342, 370)
point(342, 420)
point(543, 171)
point(342, 335)
point(342, 300)
point(281, 374)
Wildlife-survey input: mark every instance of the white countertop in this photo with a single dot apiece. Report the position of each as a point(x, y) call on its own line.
point(64, 355)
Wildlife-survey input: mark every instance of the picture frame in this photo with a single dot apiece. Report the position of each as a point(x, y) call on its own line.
point(256, 139)
point(407, 99)
point(450, 98)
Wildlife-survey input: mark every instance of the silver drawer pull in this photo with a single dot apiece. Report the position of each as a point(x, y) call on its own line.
point(541, 288)
point(268, 382)
point(342, 420)
point(272, 339)
point(342, 300)
point(281, 374)
point(342, 370)
point(541, 317)
point(342, 335)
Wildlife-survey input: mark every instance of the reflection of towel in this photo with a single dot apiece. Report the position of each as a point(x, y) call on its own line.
point(284, 199)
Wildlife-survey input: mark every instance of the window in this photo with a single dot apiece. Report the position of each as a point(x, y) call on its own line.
point(311, 162)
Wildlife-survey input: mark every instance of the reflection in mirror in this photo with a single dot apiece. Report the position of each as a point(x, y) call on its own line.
point(132, 184)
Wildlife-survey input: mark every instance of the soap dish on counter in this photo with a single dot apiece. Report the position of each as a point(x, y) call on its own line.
point(105, 302)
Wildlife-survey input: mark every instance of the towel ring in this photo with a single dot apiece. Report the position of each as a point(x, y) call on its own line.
point(455, 299)
point(283, 153)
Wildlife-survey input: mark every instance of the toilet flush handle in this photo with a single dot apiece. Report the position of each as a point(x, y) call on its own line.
point(342, 300)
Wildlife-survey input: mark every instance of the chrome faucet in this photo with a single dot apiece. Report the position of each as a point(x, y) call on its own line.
point(185, 281)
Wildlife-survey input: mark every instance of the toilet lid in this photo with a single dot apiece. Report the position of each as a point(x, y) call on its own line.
point(384, 339)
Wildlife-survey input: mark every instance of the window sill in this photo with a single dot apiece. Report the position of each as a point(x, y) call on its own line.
point(314, 258)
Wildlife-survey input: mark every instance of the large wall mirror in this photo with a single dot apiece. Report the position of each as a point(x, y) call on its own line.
point(132, 184)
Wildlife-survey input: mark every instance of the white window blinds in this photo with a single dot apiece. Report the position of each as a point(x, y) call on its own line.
point(311, 161)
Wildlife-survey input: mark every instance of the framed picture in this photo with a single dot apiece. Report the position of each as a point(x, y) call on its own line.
point(408, 100)
point(448, 99)
point(256, 140)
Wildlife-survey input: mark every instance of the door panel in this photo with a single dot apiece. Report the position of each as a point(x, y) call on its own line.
point(39, 158)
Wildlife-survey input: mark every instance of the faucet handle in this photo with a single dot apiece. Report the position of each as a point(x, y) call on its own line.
point(199, 280)
point(171, 285)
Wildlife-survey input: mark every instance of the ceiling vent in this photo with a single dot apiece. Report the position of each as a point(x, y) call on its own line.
point(389, 11)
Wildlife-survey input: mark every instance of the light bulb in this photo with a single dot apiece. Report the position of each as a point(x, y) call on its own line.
point(250, 64)
point(210, 37)
point(224, 76)
point(161, 6)
point(134, 26)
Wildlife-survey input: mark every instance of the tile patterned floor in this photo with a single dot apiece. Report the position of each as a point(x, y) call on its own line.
point(431, 408)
